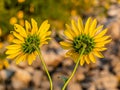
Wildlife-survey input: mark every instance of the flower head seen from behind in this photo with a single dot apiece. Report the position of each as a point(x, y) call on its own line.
point(26, 41)
point(90, 35)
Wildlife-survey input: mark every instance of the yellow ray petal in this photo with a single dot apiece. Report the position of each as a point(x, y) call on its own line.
point(82, 61)
point(43, 26)
point(20, 58)
point(45, 39)
point(45, 35)
point(107, 41)
point(25, 57)
point(73, 54)
point(75, 28)
point(75, 57)
point(100, 49)
point(80, 25)
point(66, 45)
point(101, 33)
point(12, 51)
point(31, 58)
point(92, 57)
point(69, 30)
point(20, 30)
point(101, 39)
point(98, 54)
point(102, 44)
point(96, 30)
point(69, 36)
point(11, 56)
point(92, 27)
point(86, 57)
point(87, 25)
point(18, 36)
point(34, 26)
point(17, 41)
point(45, 30)
point(27, 26)
point(99, 45)
point(42, 43)
point(14, 46)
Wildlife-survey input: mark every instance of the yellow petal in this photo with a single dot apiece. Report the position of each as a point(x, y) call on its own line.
point(20, 58)
point(101, 39)
point(98, 54)
point(12, 51)
point(100, 49)
point(45, 30)
point(92, 27)
point(70, 53)
point(42, 43)
point(107, 41)
point(20, 30)
point(66, 45)
point(82, 61)
point(28, 26)
point(17, 41)
point(96, 30)
point(101, 33)
point(87, 59)
point(99, 45)
point(43, 26)
point(45, 39)
point(25, 57)
point(75, 28)
point(34, 26)
point(87, 25)
point(74, 55)
point(80, 25)
point(69, 36)
point(31, 58)
point(11, 56)
point(102, 44)
point(92, 57)
point(45, 35)
point(14, 46)
point(18, 36)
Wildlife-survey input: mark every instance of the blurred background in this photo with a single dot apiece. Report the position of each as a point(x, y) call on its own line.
point(103, 75)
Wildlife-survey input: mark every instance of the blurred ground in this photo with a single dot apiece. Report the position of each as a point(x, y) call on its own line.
point(103, 75)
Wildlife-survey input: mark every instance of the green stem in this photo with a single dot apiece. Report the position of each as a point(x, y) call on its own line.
point(45, 67)
point(75, 68)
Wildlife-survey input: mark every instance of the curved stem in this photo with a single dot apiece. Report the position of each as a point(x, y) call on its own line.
point(45, 67)
point(75, 68)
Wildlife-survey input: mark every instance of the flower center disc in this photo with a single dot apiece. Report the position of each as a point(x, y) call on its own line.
point(83, 40)
point(31, 42)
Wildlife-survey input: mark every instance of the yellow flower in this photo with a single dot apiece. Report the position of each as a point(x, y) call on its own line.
point(1, 45)
point(13, 20)
point(0, 32)
point(90, 35)
point(20, 14)
point(21, 1)
point(27, 40)
point(3, 62)
point(10, 37)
